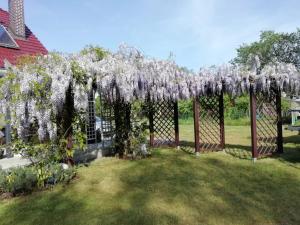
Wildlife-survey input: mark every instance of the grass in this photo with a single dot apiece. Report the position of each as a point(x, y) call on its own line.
point(173, 187)
point(2, 121)
point(243, 121)
point(297, 123)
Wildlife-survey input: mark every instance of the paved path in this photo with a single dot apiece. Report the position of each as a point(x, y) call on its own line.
point(16, 161)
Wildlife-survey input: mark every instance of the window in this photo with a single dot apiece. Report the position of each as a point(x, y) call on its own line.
point(6, 39)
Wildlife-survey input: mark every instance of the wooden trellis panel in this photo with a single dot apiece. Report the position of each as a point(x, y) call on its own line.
point(209, 123)
point(115, 121)
point(266, 123)
point(91, 120)
point(266, 120)
point(107, 120)
point(163, 118)
point(106, 130)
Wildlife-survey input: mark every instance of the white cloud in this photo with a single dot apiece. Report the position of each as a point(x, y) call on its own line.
point(217, 28)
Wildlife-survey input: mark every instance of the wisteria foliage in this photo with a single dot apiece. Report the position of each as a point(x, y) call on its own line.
point(126, 74)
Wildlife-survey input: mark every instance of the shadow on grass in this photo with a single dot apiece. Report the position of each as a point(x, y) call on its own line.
point(295, 139)
point(291, 150)
point(169, 188)
point(187, 147)
point(291, 156)
point(239, 151)
point(291, 153)
point(41, 208)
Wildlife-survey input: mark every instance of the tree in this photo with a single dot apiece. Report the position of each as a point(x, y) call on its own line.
point(272, 47)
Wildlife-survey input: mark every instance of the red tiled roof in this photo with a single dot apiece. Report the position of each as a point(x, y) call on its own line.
point(30, 46)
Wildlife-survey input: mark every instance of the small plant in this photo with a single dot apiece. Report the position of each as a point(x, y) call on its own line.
point(26, 179)
point(136, 143)
point(18, 180)
point(2, 181)
point(59, 174)
point(1, 153)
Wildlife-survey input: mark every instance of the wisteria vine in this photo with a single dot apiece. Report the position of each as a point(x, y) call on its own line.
point(36, 91)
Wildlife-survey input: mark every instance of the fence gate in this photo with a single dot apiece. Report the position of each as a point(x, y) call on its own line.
point(209, 123)
point(163, 120)
point(266, 123)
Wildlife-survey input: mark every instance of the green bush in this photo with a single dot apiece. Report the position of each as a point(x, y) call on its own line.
point(1, 153)
point(242, 121)
point(185, 108)
point(59, 175)
point(26, 179)
point(18, 180)
point(2, 181)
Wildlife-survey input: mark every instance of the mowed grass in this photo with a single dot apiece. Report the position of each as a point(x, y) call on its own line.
point(238, 141)
point(173, 187)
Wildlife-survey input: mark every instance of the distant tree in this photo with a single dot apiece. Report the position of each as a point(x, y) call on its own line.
point(272, 47)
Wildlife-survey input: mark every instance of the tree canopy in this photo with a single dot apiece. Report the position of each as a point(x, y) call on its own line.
point(270, 48)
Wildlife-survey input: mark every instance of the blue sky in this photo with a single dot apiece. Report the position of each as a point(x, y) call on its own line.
point(198, 33)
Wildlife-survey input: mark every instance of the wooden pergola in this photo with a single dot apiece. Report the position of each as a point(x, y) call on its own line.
point(209, 132)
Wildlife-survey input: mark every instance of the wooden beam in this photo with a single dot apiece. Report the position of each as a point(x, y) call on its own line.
point(151, 125)
point(196, 124)
point(279, 123)
point(253, 123)
point(221, 116)
point(176, 123)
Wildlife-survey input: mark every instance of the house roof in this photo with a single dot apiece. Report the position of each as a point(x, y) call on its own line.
point(28, 46)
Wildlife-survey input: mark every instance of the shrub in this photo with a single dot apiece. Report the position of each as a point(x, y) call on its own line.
point(185, 108)
point(59, 175)
point(26, 179)
point(18, 180)
point(52, 173)
point(2, 180)
point(1, 153)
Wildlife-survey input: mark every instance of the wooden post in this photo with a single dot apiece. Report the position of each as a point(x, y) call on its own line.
point(70, 159)
point(279, 123)
point(151, 125)
point(176, 124)
point(253, 123)
point(118, 138)
point(221, 115)
point(7, 126)
point(120, 114)
point(196, 124)
point(127, 123)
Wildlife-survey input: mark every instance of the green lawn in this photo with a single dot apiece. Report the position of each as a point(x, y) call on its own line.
point(173, 187)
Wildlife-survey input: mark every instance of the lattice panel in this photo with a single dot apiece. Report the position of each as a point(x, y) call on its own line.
point(107, 120)
point(266, 122)
point(163, 123)
point(209, 124)
point(91, 120)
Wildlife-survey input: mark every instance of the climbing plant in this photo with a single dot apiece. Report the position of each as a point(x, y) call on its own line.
point(50, 92)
